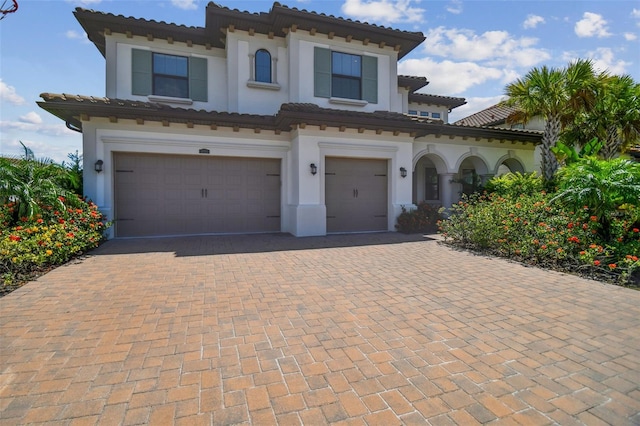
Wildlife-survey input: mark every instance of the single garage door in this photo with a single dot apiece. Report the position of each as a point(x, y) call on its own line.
point(356, 194)
point(182, 195)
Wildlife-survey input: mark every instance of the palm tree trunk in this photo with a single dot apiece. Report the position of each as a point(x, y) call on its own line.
point(612, 144)
point(549, 139)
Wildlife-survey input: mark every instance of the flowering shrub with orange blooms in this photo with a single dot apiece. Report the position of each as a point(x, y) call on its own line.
point(534, 230)
point(49, 238)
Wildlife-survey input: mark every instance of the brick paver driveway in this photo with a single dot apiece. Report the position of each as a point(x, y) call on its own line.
point(361, 329)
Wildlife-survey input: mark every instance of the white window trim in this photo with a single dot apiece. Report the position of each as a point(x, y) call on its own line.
point(252, 72)
point(170, 100)
point(260, 85)
point(346, 101)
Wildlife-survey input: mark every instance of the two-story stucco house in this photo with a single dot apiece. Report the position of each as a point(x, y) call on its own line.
point(283, 121)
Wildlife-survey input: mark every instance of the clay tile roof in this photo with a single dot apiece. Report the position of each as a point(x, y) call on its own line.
point(496, 114)
point(412, 82)
point(219, 18)
point(74, 109)
point(426, 98)
point(94, 23)
point(280, 18)
point(70, 108)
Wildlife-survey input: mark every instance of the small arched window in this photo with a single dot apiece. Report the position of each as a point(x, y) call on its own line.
point(263, 66)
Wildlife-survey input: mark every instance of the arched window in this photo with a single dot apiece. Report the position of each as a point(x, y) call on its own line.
point(263, 66)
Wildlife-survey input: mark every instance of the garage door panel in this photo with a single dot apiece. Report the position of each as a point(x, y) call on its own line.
point(167, 195)
point(356, 194)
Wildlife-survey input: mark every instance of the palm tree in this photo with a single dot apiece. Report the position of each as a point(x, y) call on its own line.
point(32, 184)
point(556, 95)
point(617, 112)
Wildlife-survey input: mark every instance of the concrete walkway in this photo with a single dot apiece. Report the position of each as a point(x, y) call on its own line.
point(376, 329)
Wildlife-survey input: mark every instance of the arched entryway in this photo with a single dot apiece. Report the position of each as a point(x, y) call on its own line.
point(473, 173)
point(432, 181)
point(509, 165)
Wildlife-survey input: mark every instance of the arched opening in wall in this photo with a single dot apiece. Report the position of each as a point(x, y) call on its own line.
point(510, 165)
point(472, 174)
point(427, 184)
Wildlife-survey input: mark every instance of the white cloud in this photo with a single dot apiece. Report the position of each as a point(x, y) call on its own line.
point(532, 21)
point(472, 106)
point(185, 4)
point(630, 36)
point(387, 11)
point(31, 118)
point(8, 93)
point(455, 7)
point(603, 59)
point(497, 48)
point(592, 25)
point(44, 129)
point(635, 13)
point(73, 35)
point(447, 77)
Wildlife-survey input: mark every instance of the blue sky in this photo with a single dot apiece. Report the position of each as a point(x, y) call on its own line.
point(473, 49)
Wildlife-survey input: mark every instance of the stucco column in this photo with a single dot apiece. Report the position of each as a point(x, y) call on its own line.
point(448, 189)
point(274, 67)
point(252, 67)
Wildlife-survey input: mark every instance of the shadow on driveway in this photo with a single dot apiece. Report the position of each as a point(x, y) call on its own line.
point(204, 245)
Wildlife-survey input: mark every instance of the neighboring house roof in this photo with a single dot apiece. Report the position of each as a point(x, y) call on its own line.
point(74, 109)
point(425, 98)
point(411, 82)
point(496, 114)
point(277, 22)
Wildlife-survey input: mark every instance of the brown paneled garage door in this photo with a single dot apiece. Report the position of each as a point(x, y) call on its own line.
point(182, 195)
point(356, 194)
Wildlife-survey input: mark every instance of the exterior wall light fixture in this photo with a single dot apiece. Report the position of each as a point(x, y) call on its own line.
point(98, 166)
point(314, 169)
point(403, 172)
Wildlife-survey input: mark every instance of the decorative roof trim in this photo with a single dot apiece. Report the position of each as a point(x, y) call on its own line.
point(74, 109)
point(282, 18)
point(96, 24)
point(279, 20)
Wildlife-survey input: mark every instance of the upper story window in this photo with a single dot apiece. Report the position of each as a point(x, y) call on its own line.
point(263, 66)
point(170, 75)
point(424, 113)
point(167, 75)
point(413, 112)
point(435, 115)
point(346, 76)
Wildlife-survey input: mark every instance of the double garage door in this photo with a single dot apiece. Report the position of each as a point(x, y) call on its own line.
point(182, 195)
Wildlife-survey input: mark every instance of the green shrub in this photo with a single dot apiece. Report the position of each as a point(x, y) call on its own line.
point(31, 184)
point(604, 187)
point(424, 218)
point(515, 184)
point(534, 230)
